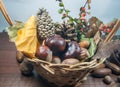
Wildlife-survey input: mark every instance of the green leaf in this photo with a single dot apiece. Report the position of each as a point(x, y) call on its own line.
point(82, 37)
point(70, 18)
point(78, 21)
point(12, 30)
point(63, 17)
point(60, 11)
point(61, 4)
point(67, 11)
point(92, 49)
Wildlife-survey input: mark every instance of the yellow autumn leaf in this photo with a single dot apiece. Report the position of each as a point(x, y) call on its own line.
point(26, 40)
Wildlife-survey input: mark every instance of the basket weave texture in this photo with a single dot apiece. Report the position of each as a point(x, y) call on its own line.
point(64, 74)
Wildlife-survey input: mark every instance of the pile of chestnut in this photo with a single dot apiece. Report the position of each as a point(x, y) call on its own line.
point(106, 70)
point(56, 50)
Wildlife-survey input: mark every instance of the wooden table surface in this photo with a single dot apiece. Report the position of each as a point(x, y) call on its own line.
point(10, 75)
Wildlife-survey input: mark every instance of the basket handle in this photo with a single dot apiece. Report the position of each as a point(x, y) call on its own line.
point(4, 11)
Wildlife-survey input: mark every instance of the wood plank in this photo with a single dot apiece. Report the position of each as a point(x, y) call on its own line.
point(10, 75)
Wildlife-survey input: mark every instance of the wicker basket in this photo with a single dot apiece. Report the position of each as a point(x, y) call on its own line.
point(64, 74)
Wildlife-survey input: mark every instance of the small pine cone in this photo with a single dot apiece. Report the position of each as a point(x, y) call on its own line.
point(45, 26)
point(67, 32)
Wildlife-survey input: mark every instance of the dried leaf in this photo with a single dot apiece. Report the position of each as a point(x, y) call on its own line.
point(91, 32)
point(97, 37)
point(92, 20)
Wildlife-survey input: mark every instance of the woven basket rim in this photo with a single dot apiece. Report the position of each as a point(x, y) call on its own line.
point(79, 66)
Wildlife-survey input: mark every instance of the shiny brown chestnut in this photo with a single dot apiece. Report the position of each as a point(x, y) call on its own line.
point(72, 50)
point(56, 43)
point(44, 53)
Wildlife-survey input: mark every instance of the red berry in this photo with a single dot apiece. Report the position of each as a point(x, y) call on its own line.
point(108, 30)
point(105, 30)
point(83, 14)
point(64, 15)
point(104, 26)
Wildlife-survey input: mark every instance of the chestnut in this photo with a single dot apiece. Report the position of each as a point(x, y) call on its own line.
point(44, 53)
point(56, 43)
point(72, 50)
point(26, 68)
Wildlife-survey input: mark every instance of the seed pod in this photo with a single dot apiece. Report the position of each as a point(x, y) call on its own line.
point(100, 73)
point(70, 61)
point(115, 69)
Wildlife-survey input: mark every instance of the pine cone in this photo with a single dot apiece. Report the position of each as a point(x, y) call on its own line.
point(45, 26)
point(67, 32)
